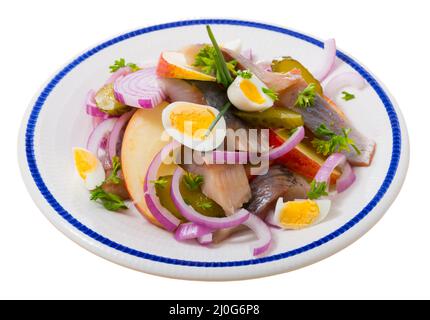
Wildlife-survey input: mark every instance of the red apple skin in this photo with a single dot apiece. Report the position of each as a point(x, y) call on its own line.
point(302, 159)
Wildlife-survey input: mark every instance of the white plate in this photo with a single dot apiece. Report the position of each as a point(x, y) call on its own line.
point(56, 121)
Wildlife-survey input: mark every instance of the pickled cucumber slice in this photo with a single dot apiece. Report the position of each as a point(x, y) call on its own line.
point(275, 117)
point(287, 64)
point(105, 100)
point(194, 198)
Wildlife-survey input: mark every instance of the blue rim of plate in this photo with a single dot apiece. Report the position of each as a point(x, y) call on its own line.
point(32, 165)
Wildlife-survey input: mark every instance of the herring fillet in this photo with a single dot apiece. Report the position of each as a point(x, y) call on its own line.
point(226, 184)
point(324, 112)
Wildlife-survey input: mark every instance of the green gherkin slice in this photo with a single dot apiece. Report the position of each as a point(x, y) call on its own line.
point(106, 101)
point(194, 198)
point(275, 117)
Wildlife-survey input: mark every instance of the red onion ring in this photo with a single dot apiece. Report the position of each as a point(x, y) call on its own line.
point(263, 233)
point(191, 230)
point(265, 65)
point(241, 157)
point(190, 214)
point(329, 60)
point(100, 133)
point(288, 145)
point(247, 53)
point(206, 239)
point(139, 89)
point(163, 216)
point(336, 160)
point(115, 134)
point(346, 179)
point(91, 106)
point(346, 79)
point(121, 72)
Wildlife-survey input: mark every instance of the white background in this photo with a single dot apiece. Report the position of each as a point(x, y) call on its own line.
point(390, 261)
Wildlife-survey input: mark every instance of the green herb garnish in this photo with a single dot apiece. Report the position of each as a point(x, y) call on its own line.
point(121, 64)
point(347, 96)
point(160, 182)
point(245, 74)
point(335, 143)
point(192, 181)
point(219, 116)
point(318, 189)
point(207, 61)
point(109, 200)
point(116, 166)
point(270, 93)
point(205, 205)
point(221, 65)
point(306, 98)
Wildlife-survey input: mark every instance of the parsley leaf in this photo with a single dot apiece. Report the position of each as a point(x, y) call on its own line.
point(347, 96)
point(318, 189)
point(270, 93)
point(306, 98)
point(205, 205)
point(245, 74)
point(116, 166)
point(160, 182)
point(208, 61)
point(118, 64)
point(109, 200)
point(192, 181)
point(335, 143)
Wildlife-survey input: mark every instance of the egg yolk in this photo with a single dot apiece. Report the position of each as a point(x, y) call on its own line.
point(250, 91)
point(191, 120)
point(85, 162)
point(298, 214)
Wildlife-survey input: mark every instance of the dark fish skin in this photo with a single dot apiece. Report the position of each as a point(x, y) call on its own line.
point(266, 189)
point(277, 182)
point(329, 114)
point(181, 90)
point(216, 96)
point(118, 189)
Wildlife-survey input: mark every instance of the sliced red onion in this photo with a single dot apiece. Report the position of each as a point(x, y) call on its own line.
point(265, 65)
point(263, 233)
point(241, 157)
point(163, 216)
point(336, 160)
point(191, 230)
point(346, 179)
point(329, 60)
point(247, 53)
point(288, 145)
point(121, 72)
point(115, 135)
point(96, 121)
point(91, 106)
point(139, 89)
point(100, 133)
point(342, 80)
point(206, 239)
point(192, 215)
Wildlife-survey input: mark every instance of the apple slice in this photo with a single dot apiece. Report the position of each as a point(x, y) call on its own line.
point(302, 159)
point(142, 141)
point(174, 65)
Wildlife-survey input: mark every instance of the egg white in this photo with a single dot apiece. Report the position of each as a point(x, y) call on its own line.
point(239, 99)
point(96, 177)
point(213, 141)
